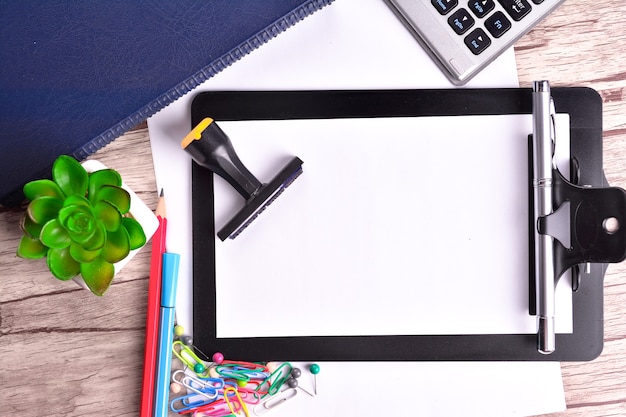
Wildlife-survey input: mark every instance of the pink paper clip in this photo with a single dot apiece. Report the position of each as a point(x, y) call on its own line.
point(249, 396)
point(254, 385)
point(218, 408)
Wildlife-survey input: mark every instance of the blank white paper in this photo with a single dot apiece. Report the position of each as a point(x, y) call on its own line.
point(398, 226)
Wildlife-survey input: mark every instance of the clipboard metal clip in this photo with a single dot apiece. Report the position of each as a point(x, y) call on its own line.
point(572, 224)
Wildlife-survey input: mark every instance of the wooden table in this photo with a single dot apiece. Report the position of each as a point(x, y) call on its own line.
point(66, 352)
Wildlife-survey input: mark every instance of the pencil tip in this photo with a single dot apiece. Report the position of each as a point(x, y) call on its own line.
point(160, 208)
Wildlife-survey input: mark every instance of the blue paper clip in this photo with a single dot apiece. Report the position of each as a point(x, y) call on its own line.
point(189, 402)
point(228, 384)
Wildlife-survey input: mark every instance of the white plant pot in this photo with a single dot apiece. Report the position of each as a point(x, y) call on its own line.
point(138, 209)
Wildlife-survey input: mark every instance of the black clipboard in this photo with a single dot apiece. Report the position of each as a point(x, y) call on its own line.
point(585, 109)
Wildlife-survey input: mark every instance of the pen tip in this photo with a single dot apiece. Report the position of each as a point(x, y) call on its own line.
point(161, 193)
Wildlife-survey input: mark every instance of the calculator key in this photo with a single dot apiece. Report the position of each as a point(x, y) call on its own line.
point(537, 1)
point(461, 21)
point(477, 41)
point(444, 6)
point(517, 9)
point(497, 24)
point(481, 7)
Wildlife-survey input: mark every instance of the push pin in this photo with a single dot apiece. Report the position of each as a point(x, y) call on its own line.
point(272, 366)
point(179, 330)
point(296, 373)
point(218, 358)
point(292, 382)
point(175, 387)
point(314, 369)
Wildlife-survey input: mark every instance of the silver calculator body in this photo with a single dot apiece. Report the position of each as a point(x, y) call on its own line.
point(464, 36)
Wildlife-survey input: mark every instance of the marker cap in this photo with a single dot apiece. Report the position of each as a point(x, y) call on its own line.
point(170, 279)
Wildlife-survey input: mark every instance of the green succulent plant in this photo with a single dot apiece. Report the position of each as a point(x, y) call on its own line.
point(80, 223)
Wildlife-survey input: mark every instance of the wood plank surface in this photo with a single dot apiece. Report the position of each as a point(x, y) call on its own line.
point(65, 352)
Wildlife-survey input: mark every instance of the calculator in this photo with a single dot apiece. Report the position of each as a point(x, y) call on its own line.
point(463, 36)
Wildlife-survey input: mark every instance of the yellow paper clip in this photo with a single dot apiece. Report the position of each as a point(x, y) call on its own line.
point(189, 358)
point(242, 404)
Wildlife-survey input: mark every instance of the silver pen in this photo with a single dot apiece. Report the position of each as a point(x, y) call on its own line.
point(543, 153)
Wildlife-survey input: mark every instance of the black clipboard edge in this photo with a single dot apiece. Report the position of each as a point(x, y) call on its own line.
point(585, 108)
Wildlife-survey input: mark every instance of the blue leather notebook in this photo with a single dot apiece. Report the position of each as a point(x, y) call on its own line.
point(76, 75)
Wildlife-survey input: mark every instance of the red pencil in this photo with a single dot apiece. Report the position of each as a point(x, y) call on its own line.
point(152, 316)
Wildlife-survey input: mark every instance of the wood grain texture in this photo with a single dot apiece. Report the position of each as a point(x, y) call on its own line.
point(65, 352)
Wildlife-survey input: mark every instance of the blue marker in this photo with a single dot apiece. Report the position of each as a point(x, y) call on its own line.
point(166, 333)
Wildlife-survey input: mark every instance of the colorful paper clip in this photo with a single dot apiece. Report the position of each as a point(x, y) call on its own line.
point(277, 378)
point(189, 358)
point(242, 404)
point(217, 408)
point(242, 371)
point(255, 385)
point(234, 387)
point(208, 387)
point(249, 396)
point(274, 401)
point(190, 402)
